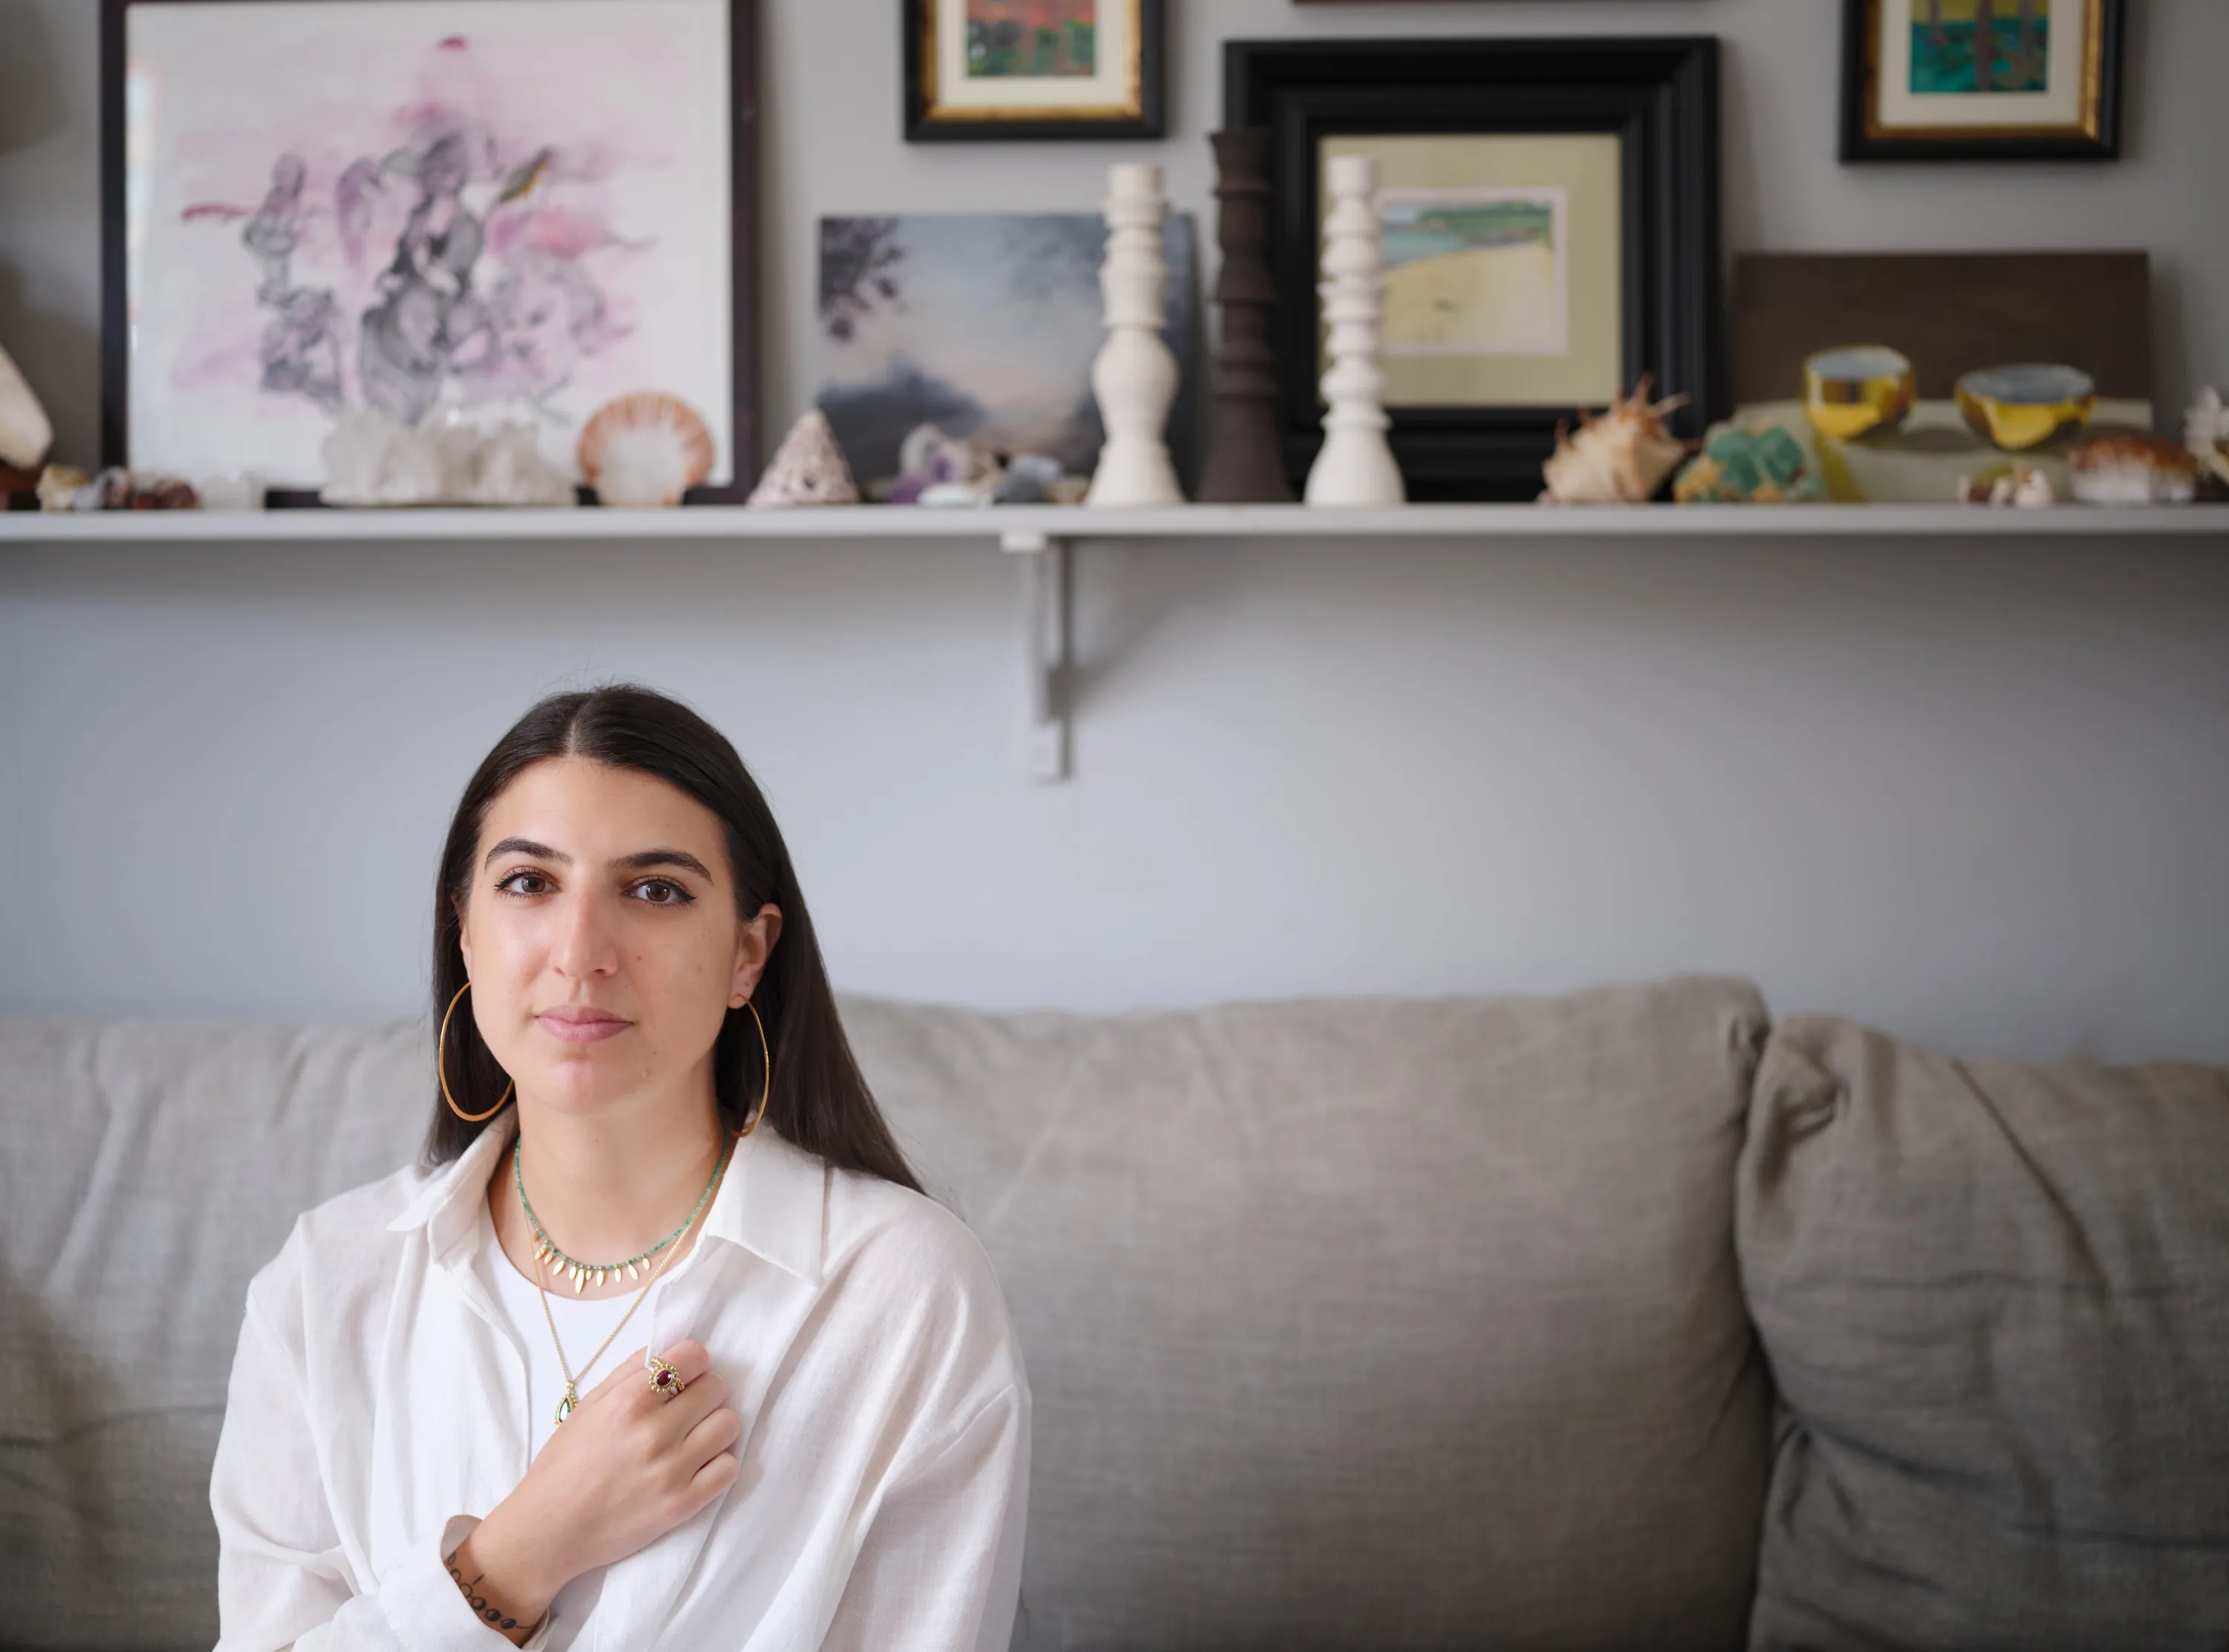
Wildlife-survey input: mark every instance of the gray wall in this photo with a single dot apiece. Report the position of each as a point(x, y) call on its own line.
point(1973, 792)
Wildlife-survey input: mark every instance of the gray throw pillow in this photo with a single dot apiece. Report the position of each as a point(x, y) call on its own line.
point(1995, 1300)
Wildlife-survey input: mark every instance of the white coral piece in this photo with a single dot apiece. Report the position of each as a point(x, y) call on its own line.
point(2205, 432)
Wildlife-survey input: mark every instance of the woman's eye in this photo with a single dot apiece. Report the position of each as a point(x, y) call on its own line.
point(524, 882)
point(663, 892)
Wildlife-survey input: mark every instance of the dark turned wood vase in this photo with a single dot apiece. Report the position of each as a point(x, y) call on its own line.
point(1245, 464)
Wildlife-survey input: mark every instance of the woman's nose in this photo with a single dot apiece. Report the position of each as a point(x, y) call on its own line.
point(586, 943)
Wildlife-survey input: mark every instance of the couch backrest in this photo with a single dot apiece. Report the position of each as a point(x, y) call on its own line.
point(1365, 1324)
point(145, 1173)
point(1349, 1324)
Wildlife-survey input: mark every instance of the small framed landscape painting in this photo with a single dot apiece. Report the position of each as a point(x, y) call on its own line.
point(1032, 69)
point(1502, 267)
point(488, 212)
point(1550, 233)
point(1981, 80)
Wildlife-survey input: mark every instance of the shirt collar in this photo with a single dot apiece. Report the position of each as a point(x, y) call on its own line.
point(773, 1201)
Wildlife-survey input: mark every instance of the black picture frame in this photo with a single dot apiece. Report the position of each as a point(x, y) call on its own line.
point(2096, 136)
point(1658, 96)
point(744, 298)
point(925, 123)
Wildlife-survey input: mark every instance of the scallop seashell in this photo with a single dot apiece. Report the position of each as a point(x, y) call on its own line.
point(644, 449)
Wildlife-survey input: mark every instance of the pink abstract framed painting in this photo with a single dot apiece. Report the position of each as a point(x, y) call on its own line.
point(473, 210)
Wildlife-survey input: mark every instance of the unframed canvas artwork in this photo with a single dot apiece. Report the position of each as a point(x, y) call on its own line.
point(986, 325)
point(516, 211)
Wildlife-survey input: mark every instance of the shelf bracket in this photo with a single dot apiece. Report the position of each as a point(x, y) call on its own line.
point(1048, 575)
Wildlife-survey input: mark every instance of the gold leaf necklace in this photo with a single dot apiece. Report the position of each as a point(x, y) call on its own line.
point(545, 1251)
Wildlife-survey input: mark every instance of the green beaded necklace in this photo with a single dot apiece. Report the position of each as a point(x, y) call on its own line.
point(602, 1273)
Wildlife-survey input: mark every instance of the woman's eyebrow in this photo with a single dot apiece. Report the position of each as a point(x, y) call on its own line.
point(526, 846)
point(681, 858)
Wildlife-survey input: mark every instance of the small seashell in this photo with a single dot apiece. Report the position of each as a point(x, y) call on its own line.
point(2133, 470)
point(808, 469)
point(647, 449)
point(59, 485)
point(1619, 458)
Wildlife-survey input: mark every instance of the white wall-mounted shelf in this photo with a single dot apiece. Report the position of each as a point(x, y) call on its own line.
point(1176, 523)
point(1042, 539)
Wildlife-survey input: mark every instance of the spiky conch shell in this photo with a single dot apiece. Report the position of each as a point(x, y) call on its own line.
point(644, 449)
point(1621, 458)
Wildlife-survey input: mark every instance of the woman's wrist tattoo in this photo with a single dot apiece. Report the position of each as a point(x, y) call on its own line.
point(486, 1609)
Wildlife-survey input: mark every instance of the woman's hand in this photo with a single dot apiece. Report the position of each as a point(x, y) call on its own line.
point(624, 1469)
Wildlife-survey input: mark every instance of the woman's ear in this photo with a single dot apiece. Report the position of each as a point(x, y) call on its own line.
point(754, 943)
point(464, 935)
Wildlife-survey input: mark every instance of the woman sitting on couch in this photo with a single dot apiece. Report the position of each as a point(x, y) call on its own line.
point(664, 1347)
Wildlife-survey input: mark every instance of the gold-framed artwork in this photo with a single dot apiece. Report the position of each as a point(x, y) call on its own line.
point(1981, 80)
point(1032, 69)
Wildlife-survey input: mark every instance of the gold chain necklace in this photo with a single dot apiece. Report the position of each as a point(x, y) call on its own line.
point(585, 1273)
point(566, 1406)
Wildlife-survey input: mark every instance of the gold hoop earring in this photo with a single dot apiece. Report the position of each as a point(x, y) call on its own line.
point(441, 1066)
point(766, 1057)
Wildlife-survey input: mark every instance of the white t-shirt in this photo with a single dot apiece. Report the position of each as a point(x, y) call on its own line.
point(582, 1326)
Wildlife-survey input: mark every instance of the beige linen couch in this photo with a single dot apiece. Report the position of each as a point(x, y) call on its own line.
point(1623, 1320)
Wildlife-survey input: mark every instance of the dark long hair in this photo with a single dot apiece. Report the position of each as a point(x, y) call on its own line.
point(820, 1101)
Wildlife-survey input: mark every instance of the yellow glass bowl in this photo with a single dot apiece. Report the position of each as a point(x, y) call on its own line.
point(1855, 389)
point(2020, 408)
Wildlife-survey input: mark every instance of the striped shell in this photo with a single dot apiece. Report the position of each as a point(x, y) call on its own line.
point(644, 449)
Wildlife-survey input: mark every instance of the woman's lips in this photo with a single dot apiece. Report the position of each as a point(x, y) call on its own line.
point(581, 1026)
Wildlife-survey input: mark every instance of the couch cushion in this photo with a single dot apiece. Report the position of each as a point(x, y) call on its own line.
point(1364, 1323)
point(145, 1173)
point(1996, 1300)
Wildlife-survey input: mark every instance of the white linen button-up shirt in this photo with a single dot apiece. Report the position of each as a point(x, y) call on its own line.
point(378, 1410)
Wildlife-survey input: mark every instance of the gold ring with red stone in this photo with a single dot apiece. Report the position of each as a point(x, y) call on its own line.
point(664, 1381)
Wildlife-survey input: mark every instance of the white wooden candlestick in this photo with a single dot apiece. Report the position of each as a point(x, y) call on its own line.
point(1135, 376)
point(1355, 466)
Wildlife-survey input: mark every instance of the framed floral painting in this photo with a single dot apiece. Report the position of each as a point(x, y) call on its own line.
point(491, 211)
point(1981, 80)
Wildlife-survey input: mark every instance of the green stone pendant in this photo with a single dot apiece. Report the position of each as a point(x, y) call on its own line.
point(565, 1405)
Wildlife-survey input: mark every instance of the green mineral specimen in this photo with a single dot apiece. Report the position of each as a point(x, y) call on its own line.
point(1740, 467)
